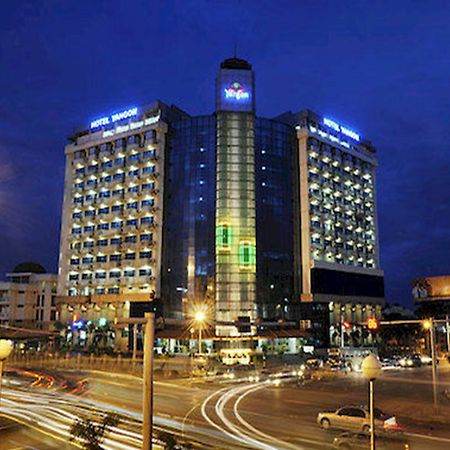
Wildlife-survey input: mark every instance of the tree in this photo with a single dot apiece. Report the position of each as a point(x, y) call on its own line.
point(92, 434)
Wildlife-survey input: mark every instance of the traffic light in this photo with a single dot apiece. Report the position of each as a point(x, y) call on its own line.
point(372, 323)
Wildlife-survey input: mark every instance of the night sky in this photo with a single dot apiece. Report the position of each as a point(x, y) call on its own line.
point(380, 67)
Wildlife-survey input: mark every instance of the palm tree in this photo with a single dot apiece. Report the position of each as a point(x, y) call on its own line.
point(92, 434)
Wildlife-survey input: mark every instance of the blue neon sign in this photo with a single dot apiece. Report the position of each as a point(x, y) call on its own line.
point(114, 117)
point(340, 129)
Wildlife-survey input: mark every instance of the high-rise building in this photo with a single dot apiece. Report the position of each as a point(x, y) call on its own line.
point(341, 279)
point(261, 219)
point(111, 234)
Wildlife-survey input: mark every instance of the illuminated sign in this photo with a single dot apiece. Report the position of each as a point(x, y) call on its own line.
point(132, 126)
point(236, 91)
point(340, 129)
point(114, 117)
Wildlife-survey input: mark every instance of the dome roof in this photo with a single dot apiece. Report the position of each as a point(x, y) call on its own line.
point(236, 63)
point(29, 266)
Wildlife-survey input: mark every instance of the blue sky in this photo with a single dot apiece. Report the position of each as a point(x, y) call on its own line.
point(380, 67)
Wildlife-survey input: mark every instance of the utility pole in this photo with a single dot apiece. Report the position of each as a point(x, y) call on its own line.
point(135, 334)
point(147, 382)
point(447, 329)
point(433, 362)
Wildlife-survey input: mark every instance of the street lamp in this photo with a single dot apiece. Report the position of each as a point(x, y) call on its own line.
point(200, 317)
point(371, 369)
point(428, 325)
point(6, 348)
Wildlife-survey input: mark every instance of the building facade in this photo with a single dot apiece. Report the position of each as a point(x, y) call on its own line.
point(28, 298)
point(263, 220)
point(341, 279)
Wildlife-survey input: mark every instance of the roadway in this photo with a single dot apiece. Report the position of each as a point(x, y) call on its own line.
point(226, 414)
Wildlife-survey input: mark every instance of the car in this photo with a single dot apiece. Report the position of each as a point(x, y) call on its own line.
point(411, 361)
point(361, 441)
point(355, 418)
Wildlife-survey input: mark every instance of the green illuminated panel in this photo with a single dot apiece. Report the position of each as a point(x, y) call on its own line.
point(247, 255)
point(223, 236)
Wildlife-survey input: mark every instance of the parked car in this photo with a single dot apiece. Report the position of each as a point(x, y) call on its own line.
point(411, 361)
point(355, 418)
point(361, 441)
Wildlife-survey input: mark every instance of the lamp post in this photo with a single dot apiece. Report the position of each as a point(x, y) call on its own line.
point(147, 382)
point(429, 326)
point(200, 318)
point(371, 369)
point(5, 350)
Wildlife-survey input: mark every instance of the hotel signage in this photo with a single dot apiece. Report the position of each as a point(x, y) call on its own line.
point(132, 112)
point(236, 91)
point(340, 129)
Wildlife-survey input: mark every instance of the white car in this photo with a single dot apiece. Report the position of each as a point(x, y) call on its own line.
point(355, 418)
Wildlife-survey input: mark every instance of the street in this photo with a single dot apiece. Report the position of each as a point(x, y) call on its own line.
point(217, 413)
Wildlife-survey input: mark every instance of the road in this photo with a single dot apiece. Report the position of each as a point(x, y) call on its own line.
point(227, 414)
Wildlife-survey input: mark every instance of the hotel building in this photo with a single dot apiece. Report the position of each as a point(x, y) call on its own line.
point(265, 220)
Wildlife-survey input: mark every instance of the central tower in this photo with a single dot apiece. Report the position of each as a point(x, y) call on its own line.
point(235, 197)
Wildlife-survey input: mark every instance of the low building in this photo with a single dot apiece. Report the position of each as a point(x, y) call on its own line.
point(432, 297)
point(27, 298)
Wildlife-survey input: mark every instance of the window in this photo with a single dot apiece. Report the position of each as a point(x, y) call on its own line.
point(106, 164)
point(129, 256)
point(129, 272)
point(113, 290)
point(52, 315)
point(104, 194)
point(135, 157)
point(145, 272)
point(223, 236)
point(73, 277)
point(75, 261)
point(90, 197)
point(76, 230)
point(86, 276)
point(88, 244)
point(247, 255)
point(130, 239)
point(76, 215)
point(92, 168)
point(147, 186)
point(115, 241)
point(133, 173)
point(132, 205)
point(100, 275)
point(133, 189)
point(132, 222)
point(117, 208)
point(80, 171)
point(149, 202)
point(102, 242)
point(103, 210)
point(78, 200)
point(119, 161)
point(99, 291)
point(149, 169)
point(146, 237)
point(117, 224)
point(91, 182)
point(116, 257)
point(118, 192)
point(148, 219)
point(149, 154)
point(88, 228)
point(88, 260)
point(114, 274)
point(89, 213)
point(145, 254)
point(103, 226)
point(106, 179)
point(119, 176)
point(101, 258)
